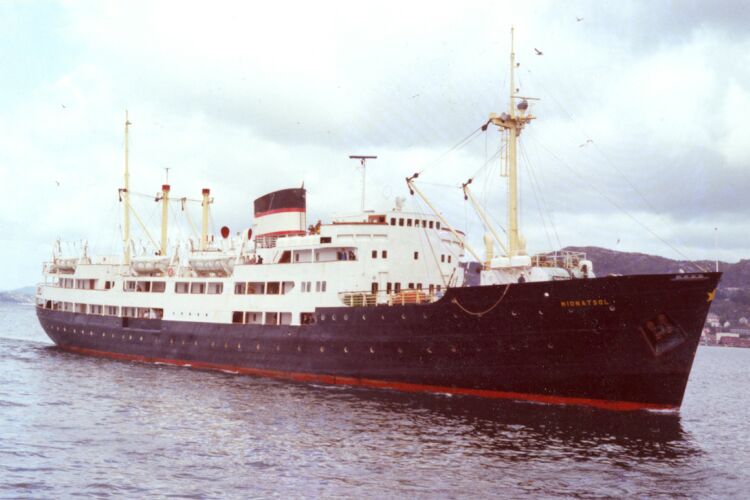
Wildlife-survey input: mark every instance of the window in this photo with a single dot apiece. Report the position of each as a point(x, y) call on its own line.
point(374, 287)
point(285, 318)
point(388, 287)
point(273, 288)
point(272, 318)
point(397, 288)
point(111, 310)
point(144, 286)
point(253, 318)
point(442, 258)
point(325, 239)
point(128, 286)
point(158, 286)
point(384, 254)
point(431, 289)
point(197, 287)
point(437, 225)
point(439, 287)
point(431, 224)
point(237, 316)
point(215, 288)
point(286, 257)
point(323, 287)
point(239, 288)
point(307, 318)
point(287, 286)
point(374, 254)
point(256, 288)
point(317, 286)
point(449, 259)
point(393, 221)
point(416, 255)
point(408, 222)
point(400, 221)
point(424, 223)
point(419, 286)
point(411, 286)
point(181, 287)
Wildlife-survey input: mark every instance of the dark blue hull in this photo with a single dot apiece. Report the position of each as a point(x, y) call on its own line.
point(622, 342)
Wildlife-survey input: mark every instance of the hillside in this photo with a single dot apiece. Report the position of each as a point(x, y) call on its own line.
point(23, 295)
point(732, 299)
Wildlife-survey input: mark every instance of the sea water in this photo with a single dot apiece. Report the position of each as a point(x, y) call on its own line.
point(76, 425)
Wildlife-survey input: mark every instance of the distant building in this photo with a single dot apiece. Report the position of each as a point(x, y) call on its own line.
point(713, 320)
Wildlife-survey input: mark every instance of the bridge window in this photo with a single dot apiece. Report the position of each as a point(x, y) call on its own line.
point(416, 255)
point(432, 224)
point(197, 287)
point(400, 221)
point(273, 288)
point(393, 221)
point(272, 318)
point(256, 288)
point(239, 288)
point(181, 287)
point(374, 254)
point(384, 254)
point(158, 286)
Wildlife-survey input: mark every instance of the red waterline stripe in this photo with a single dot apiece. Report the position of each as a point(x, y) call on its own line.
point(380, 384)
point(280, 211)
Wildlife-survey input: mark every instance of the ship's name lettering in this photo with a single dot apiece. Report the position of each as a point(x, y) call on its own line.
point(584, 303)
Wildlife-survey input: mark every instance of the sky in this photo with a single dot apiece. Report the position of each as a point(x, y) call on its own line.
point(641, 140)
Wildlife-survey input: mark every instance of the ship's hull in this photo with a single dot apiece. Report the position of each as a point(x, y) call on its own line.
point(625, 342)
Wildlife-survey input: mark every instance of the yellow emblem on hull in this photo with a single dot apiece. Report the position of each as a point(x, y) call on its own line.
point(711, 295)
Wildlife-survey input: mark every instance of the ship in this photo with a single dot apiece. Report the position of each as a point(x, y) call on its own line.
point(385, 300)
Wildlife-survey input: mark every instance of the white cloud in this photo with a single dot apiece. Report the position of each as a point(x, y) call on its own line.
point(246, 99)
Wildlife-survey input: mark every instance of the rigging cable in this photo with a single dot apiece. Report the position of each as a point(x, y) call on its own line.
point(594, 144)
point(619, 207)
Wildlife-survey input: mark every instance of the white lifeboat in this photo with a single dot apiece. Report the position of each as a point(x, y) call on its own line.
point(149, 264)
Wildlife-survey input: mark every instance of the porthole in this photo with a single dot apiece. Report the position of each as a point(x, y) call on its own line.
point(322, 349)
point(183, 342)
point(429, 350)
point(195, 342)
point(299, 348)
point(257, 347)
point(130, 337)
point(171, 341)
point(213, 344)
point(372, 351)
point(540, 312)
point(382, 316)
point(455, 316)
point(113, 335)
point(550, 346)
point(333, 317)
point(226, 345)
point(322, 317)
point(424, 315)
point(513, 313)
point(346, 350)
point(546, 294)
point(454, 349)
point(104, 334)
point(123, 336)
point(403, 316)
point(239, 347)
point(400, 351)
point(612, 308)
point(278, 347)
point(140, 338)
point(570, 310)
point(364, 316)
point(346, 317)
